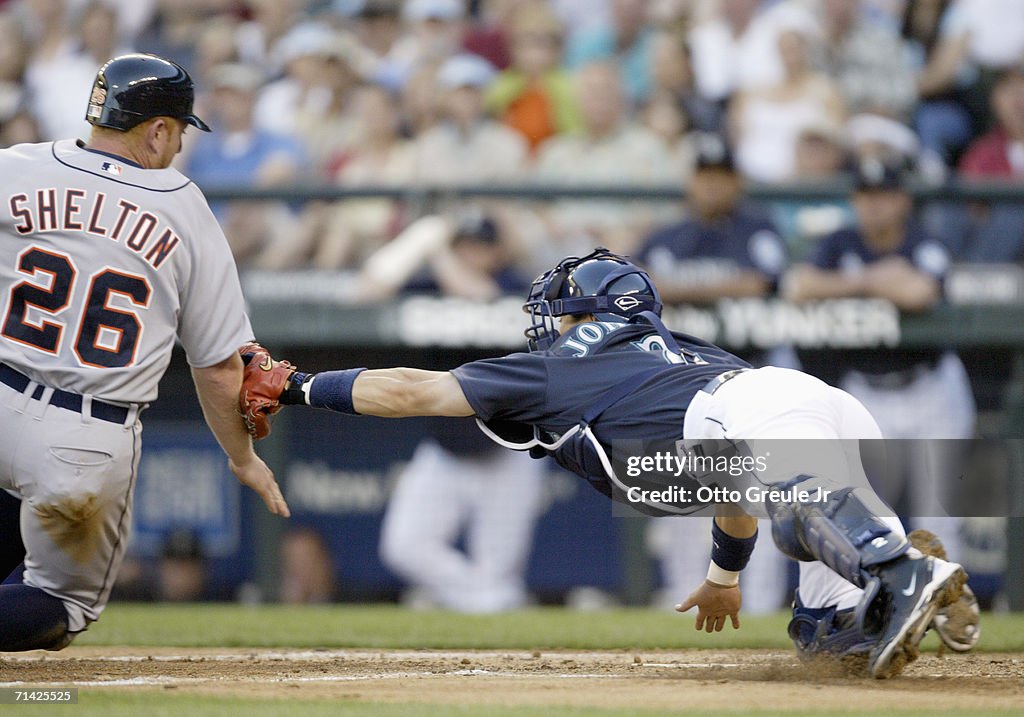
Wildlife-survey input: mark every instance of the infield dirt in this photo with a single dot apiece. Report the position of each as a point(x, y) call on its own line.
point(710, 679)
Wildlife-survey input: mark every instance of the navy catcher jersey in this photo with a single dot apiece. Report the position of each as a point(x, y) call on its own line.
point(553, 389)
point(846, 252)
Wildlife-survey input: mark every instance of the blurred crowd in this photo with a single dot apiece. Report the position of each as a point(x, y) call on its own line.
point(400, 93)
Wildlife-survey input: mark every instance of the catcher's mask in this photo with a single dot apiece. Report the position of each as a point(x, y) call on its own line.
point(601, 283)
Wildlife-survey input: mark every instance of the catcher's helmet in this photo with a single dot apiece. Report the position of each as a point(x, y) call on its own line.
point(601, 283)
point(133, 88)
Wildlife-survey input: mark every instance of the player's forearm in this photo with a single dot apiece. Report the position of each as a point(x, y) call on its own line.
point(913, 291)
point(808, 283)
point(399, 392)
point(217, 387)
point(388, 393)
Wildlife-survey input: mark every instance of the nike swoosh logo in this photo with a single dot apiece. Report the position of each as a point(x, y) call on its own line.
point(910, 588)
point(268, 363)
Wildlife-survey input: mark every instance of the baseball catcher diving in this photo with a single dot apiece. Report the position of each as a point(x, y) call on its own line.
point(602, 367)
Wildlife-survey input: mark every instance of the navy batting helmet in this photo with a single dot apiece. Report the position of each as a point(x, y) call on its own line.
point(133, 88)
point(601, 283)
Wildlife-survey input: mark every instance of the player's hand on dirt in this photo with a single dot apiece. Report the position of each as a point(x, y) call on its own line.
point(714, 604)
point(256, 475)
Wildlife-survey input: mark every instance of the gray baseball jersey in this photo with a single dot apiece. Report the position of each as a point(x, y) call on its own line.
point(102, 264)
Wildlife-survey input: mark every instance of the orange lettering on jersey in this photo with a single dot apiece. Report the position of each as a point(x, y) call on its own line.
point(22, 214)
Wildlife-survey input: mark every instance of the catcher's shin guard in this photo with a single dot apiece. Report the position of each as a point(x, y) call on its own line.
point(842, 532)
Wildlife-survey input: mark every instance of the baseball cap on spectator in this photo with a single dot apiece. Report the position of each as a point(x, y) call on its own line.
point(235, 76)
point(874, 174)
point(304, 40)
point(713, 153)
point(474, 225)
point(445, 10)
point(465, 70)
point(871, 129)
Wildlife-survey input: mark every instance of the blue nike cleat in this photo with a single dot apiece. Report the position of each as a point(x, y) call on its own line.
point(914, 588)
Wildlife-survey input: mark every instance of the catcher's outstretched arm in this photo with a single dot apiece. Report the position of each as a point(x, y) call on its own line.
point(400, 392)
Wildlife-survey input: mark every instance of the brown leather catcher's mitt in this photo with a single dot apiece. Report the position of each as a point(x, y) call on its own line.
point(262, 384)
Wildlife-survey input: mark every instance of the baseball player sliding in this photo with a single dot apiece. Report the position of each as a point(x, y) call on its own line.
point(611, 371)
point(106, 254)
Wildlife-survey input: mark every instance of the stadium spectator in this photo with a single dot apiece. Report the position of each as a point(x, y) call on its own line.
point(420, 108)
point(821, 157)
point(240, 154)
point(723, 249)
point(467, 146)
point(988, 35)
point(434, 32)
point(992, 232)
point(867, 60)
point(263, 39)
point(65, 60)
point(375, 27)
point(488, 36)
point(326, 126)
point(912, 393)
point(303, 54)
point(765, 123)
point(668, 120)
point(627, 42)
point(611, 150)
point(939, 54)
point(672, 75)
point(737, 47)
point(875, 136)
point(465, 253)
point(346, 232)
point(1000, 153)
point(307, 570)
point(14, 50)
point(214, 46)
point(17, 125)
point(534, 95)
point(176, 24)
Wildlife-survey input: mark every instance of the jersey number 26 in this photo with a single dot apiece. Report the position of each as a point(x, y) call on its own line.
point(106, 337)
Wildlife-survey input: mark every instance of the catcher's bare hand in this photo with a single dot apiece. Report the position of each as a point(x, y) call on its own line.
point(256, 475)
point(714, 604)
point(263, 381)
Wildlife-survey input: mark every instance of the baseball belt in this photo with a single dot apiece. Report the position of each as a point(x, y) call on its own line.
point(63, 399)
point(718, 381)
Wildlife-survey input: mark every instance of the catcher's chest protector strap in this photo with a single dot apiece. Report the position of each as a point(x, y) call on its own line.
point(842, 532)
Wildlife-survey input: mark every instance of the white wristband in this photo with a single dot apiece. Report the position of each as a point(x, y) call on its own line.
point(723, 577)
point(305, 388)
